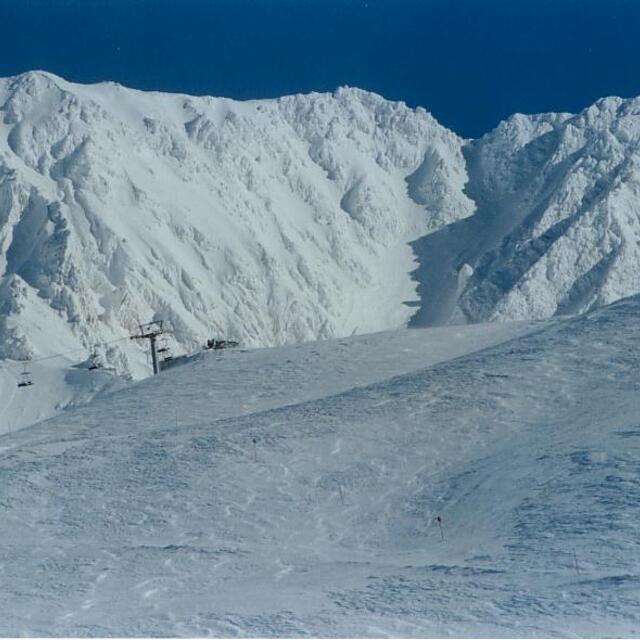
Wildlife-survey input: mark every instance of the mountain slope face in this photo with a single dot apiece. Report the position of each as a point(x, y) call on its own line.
point(269, 221)
point(299, 218)
point(556, 228)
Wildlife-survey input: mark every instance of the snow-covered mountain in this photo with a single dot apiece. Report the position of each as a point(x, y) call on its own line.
point(268, 221)
point(304, 217)
point(295, 491)
point(556, 228)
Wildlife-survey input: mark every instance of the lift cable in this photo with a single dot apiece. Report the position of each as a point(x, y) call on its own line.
point(19, 363)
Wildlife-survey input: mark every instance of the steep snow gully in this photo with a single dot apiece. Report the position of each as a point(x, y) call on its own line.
point(224, 498)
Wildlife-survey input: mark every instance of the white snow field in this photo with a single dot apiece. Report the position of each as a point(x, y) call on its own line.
point(153, 512)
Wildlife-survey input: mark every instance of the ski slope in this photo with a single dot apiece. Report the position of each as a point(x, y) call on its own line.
point(153, 512)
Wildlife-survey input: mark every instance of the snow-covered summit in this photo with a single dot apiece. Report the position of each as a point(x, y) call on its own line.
point(556, 224)
point(574, 196)
point(308, 216)
point(266, 221)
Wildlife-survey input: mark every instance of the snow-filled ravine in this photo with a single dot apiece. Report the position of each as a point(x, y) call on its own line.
point(295, 491)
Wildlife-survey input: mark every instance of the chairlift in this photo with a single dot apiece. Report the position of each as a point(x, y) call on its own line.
point(164, 350)
point(94, 360)
point(165, 355)
point(25, 378)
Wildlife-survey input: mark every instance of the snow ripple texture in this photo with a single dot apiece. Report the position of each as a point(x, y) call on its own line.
point(295, 492)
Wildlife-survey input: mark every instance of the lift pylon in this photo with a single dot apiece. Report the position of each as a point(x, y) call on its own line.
point(150, 331)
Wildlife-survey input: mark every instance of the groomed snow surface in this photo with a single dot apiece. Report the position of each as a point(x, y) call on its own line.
point(152, 511)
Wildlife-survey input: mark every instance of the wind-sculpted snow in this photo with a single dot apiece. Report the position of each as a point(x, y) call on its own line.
point(557, 225)
point(306, 217)
point(269, 497)
point(267, 222)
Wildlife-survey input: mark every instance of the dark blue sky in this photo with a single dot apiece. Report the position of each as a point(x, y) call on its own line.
point(470, 62)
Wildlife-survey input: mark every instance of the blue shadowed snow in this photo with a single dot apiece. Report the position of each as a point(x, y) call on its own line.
point(149, 512)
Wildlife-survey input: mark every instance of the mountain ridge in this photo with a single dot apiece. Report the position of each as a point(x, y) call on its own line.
point(297, 218)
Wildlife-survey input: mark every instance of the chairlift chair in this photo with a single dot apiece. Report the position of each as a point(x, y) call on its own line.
point(94, 360)
point(164, 350)
point(25, 379)
point(164, 346)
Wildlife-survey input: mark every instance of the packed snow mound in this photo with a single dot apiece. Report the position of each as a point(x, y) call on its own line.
point(295, 492)
point(267, 222)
